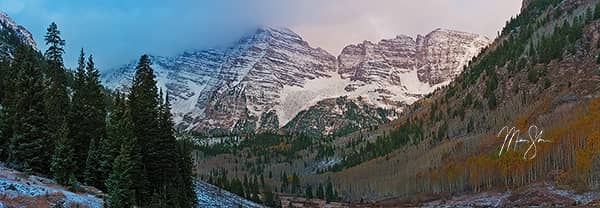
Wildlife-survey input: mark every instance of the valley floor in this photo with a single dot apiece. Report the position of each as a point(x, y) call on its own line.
point(543, 194)
point(535, 195)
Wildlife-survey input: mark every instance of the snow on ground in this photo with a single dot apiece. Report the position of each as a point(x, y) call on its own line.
point(210, 196)
point(324, 164)
point(294, 99)
point(18, 189)
point(211, 141)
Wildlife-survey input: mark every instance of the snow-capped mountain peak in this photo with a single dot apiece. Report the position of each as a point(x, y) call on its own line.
point(268, 77)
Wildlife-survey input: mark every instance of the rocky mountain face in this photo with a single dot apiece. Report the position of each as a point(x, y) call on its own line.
point(233, 88)
point(338, 116)
point(268, 78)
point(11, 34)
point(436, 57)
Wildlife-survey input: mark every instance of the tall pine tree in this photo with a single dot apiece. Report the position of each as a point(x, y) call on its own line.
point(56, 97)
point(87, 122)
point(125, 181)
point(96, 168)
point(28, 148)
point(153, 128)
point(143, 104)
point(166, 154)
point(78, 117)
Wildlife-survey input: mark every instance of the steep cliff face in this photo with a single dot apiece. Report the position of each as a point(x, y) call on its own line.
point(381, 62)
point(437, 57)
point(441, 54)
point(267, 78)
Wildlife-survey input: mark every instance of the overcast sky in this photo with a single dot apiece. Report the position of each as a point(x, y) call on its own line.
point(117, 31)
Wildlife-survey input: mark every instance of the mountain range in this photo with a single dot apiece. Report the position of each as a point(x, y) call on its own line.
point(274, 80)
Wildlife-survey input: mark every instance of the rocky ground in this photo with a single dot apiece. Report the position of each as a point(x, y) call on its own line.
point(21, 190)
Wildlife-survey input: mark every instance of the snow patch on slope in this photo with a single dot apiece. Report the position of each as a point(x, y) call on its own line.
point(294, 99)
point(210, 196)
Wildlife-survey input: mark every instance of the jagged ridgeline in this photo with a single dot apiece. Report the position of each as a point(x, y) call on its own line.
point(541, 71)
point(272, 80)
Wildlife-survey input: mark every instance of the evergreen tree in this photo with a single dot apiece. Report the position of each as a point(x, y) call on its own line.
point(99, 154)
point(597, 11)
point(143, 104)
point(56, 97)
point(55, 45)
point(62, 165)
point(87, 122)
point(95, 100)
point(28, 148)
point(185, 184)
point(92, 172)
point(284, 183)
point(125, 180)
point(295, 184)
point(165, 146)
point(78, 117)
point(7, 77)
point(320, 193)
point(153, 127)
point(329, 192)
point(309, 192)
point(4, 72)
point(120, 182)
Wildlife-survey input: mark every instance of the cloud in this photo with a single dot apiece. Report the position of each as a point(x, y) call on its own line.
point(355, 20)
point(117, 31)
